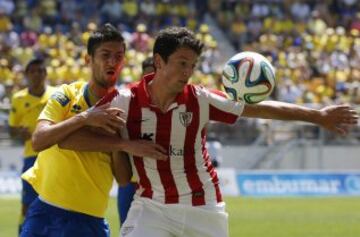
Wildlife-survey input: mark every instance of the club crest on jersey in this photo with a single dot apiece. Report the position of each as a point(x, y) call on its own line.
point(185, 118)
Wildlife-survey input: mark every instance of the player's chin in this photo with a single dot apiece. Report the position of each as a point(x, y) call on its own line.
point(110, 79)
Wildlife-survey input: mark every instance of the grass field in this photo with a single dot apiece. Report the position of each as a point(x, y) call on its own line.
point(280, 217)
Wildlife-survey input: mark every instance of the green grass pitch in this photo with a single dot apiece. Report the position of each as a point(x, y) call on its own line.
point(249, 217)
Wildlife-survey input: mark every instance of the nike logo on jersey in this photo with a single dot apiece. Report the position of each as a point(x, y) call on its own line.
point(147, 136)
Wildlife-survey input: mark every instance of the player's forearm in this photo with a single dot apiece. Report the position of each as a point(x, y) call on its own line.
point(86, 140)
point(48, 134)
point(282, 111)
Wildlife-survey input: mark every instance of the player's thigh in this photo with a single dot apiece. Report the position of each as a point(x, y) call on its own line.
point(35, 222)
point(204, 223)
point(148, 231)
point(145, 219)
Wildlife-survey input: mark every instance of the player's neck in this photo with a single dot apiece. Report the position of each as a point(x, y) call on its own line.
point(160, 96)
point(38, 92)
point(96, 92)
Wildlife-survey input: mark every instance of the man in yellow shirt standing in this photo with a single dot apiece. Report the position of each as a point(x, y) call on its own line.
point(73, 186)
point(26, 106)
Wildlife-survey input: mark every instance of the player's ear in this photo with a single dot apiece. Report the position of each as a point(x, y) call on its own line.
point(157, 61)
point(87, 59)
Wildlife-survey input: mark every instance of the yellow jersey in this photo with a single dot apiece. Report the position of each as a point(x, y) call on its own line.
point(73, 180)
point(25, 110)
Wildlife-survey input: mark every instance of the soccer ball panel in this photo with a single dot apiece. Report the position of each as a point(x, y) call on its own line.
point(248, 77)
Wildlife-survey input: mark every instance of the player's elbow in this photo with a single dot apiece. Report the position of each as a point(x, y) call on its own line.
point(65, 145)
point(40, 138)
point(38, 143)
point(35, 143)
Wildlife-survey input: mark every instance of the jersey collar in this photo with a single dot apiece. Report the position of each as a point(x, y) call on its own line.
point(145, 99)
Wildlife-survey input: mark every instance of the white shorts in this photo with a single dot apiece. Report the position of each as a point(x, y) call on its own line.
point(152, 219)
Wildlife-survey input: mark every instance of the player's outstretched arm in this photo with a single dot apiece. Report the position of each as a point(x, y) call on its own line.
point(87, 140)
point(335, 118)
point(48, 133)
point(121, 168)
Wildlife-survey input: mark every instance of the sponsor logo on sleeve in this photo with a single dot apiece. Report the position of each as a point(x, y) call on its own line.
point(61, 98)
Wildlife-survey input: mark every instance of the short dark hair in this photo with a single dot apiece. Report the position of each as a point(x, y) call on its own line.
point(172, 38)
point(34, 61)
point(107, 33)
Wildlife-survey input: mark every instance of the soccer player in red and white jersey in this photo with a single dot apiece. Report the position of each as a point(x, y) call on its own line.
point(181, 195)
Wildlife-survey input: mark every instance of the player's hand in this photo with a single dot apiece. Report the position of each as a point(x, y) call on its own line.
point(143, 148)
point(338, 118)
point(109, 119)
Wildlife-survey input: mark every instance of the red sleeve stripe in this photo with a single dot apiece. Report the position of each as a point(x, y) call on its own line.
point(222, 116)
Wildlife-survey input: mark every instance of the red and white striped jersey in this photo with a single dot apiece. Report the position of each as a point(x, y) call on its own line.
point(187, 177)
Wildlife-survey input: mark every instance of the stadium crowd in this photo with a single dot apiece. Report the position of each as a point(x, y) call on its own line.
point(314, 45)
point(57, 31)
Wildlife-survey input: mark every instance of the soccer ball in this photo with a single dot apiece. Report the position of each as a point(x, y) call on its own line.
point(248, 77)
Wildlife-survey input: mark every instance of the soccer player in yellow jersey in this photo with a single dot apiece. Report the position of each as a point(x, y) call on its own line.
point(73, 186)
point(26, 106)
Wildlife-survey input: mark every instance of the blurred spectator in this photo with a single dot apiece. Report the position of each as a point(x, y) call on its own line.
point(111, 11)
point(314, 45)
point(140, 40)
point(5, 23)
point(306, 40)
point(130, 9)
point(7, 6)
point(300, 10)
point(148, 66)
point(33, 22)
point(210, 58)
point(290, 92)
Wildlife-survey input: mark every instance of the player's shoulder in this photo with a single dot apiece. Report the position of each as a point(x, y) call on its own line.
point(64, 93)
point(51, 89)
point(72, 89)
point(125, 92)
point(20, 94)
point(114, 96)
point(76, 86)
point(200, 90)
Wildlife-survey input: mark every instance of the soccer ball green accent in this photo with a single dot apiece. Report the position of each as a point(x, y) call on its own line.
point(248, 77)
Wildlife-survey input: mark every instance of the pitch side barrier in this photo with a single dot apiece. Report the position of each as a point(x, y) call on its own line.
point(264, 183)
point(10, 184)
